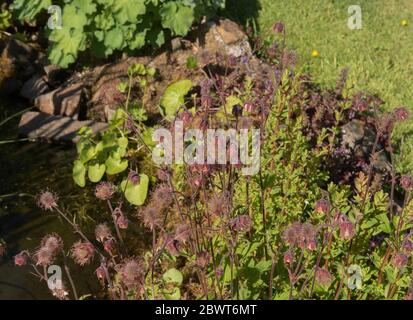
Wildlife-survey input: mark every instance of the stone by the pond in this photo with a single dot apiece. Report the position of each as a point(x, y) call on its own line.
point(62, 101)
point(39, 125)
point(16, 65)
point(34, 87)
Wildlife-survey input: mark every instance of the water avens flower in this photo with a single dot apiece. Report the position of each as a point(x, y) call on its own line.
point(60, 293)
point(406, 182)
point(151, 217)
point(278, 27)
point(293, 234)
point(44, 256)
point(104, 190)
point(133, 177)
point(322, 206)
point(217, 205)
point(101, 272)
point(401, 114)
point(399, 260)
point(182, 233)
point(323, 277)
point(53, 242)
point(47, 200)
point(131, 274)
point(108, 245)
point(202, 259)
point(122, 222)
point(82, 252)
point(288, 257)
point(102, 232)
point(407, 245)
point(162, 196)
point(241, 223)
point(172, 245)
point(20, 259)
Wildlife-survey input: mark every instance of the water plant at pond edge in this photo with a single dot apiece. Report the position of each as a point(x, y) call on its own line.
point(290, 231)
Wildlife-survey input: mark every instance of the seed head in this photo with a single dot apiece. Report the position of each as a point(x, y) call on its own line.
point(104, 190)
point(162, 196)
point(399, 260)
point(44, 256)
point(323, 276)
point(53, 242)
point(217, 205)
point(151, 217)
point(82, 252)
point(241, 223)
point(60, 293)
point(102, 232)
point(172, 245)
point(47, 200)
point(182, 233)
point(131, 274)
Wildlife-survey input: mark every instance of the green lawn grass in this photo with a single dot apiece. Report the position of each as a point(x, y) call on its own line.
point(379, 56)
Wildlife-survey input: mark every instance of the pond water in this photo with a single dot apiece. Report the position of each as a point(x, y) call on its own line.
point(26, 168)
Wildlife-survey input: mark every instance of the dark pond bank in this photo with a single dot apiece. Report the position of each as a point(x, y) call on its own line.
point(26, 168)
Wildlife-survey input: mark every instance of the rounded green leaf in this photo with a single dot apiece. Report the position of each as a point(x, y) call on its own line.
point(79, 173)
point(115, 165)
point(96, 172)
point(174, 96)
point(136, 193)
point(173, 276)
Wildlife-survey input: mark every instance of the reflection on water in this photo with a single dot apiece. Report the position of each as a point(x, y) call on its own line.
point(26, 169)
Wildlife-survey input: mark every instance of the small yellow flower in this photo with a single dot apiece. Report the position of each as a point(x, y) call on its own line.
point(404, 23)
point(315, 53)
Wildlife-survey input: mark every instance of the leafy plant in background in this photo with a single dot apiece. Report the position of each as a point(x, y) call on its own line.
point(5, 19)
point(108, 153)
point(106, 26)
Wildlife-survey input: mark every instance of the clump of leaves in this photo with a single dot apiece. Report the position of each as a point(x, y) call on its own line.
point(126, 137)
point(106, 26)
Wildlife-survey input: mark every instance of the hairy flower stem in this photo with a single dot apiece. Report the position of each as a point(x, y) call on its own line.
point(115, 223)
point(67, 270)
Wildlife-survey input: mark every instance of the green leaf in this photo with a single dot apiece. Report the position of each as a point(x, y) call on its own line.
point(114, 39)
point(128, 10)
point(29, 9)
point(172, 294)
point(136, 193)
point(177, 17)
point(114, 164)
point(173, 276)
point(173, 97)
point(137, 69)
point(96, 172)
point(66, 44)
point(79, 173)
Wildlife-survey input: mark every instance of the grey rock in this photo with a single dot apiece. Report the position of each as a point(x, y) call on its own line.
point(39, 125)
point(62, 101)
point(34, 87)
